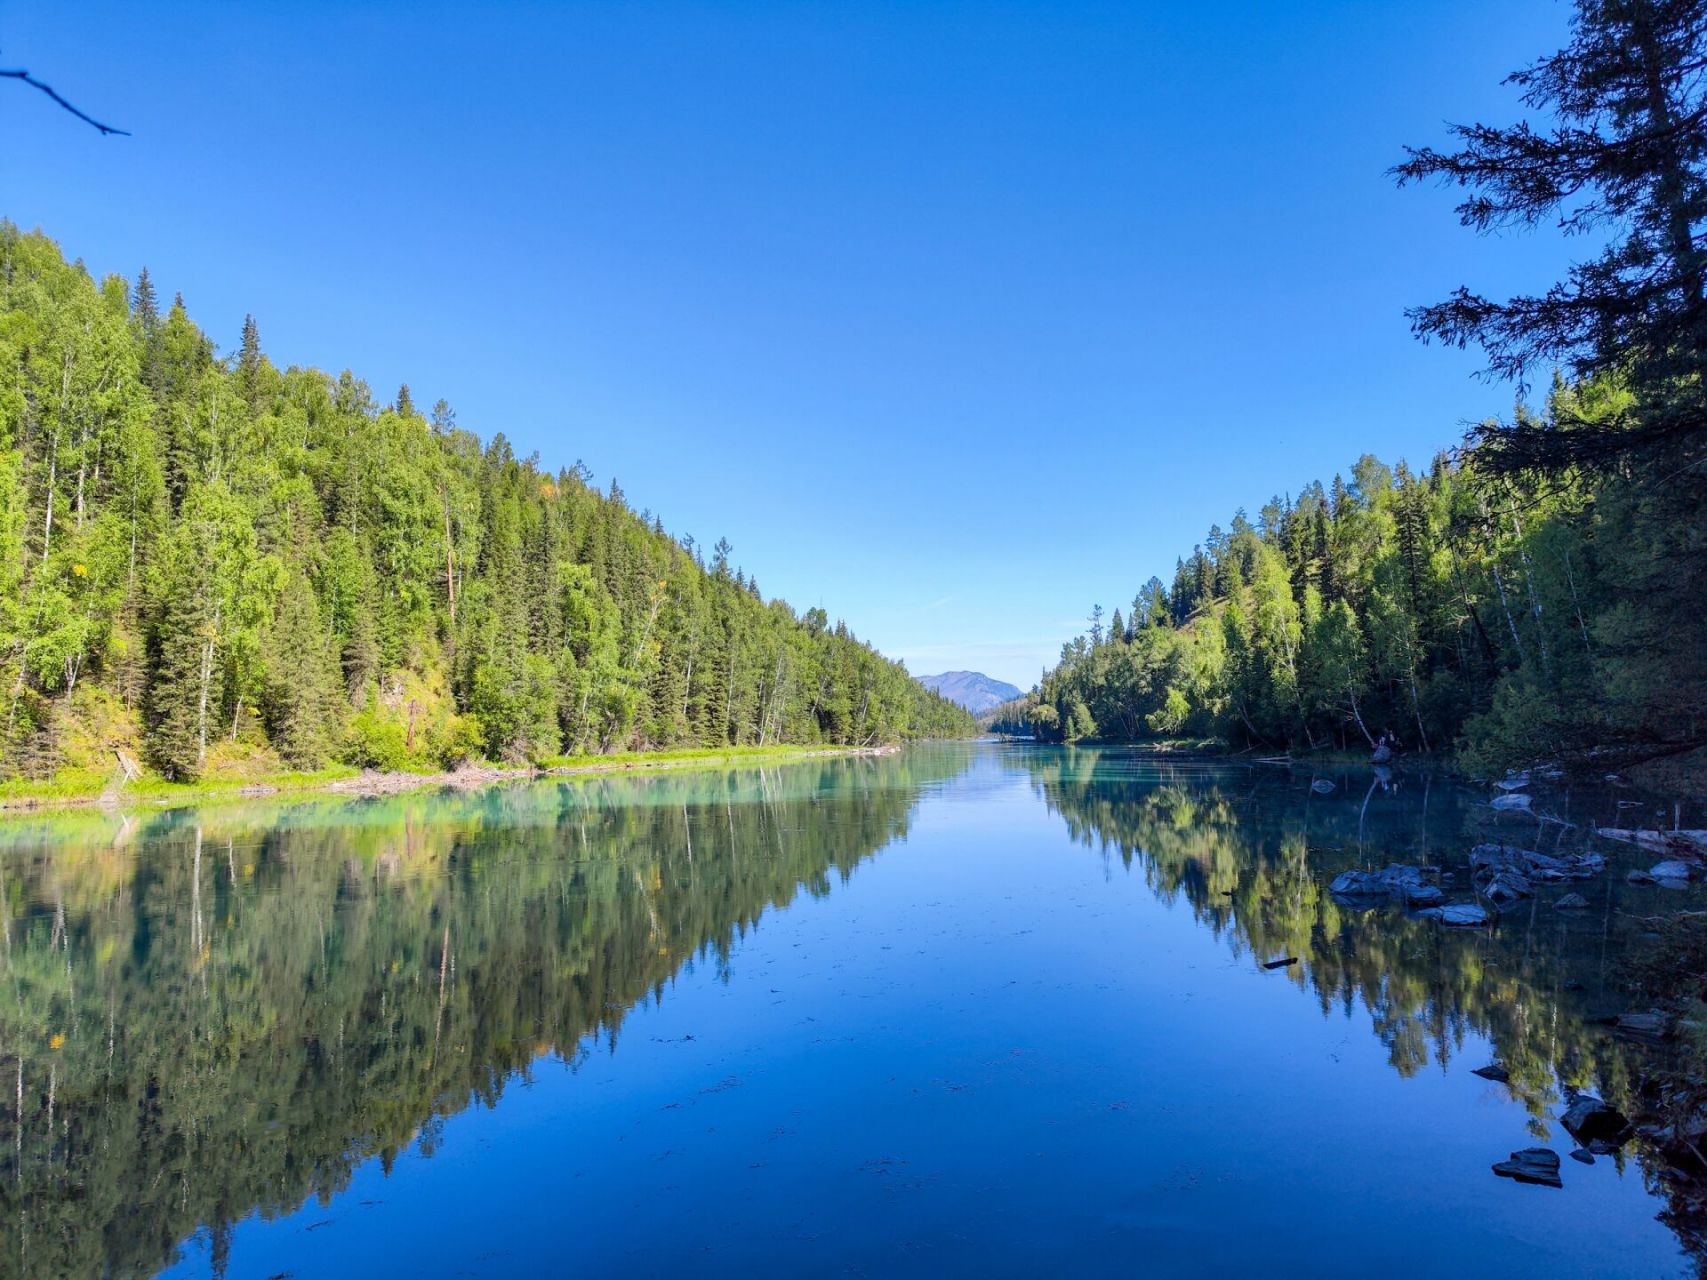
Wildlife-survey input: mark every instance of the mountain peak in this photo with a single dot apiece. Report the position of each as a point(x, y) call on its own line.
point(973, 690)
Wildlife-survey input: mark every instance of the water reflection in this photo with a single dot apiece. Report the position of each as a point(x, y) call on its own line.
point(209, 1015)
point(1251, 850)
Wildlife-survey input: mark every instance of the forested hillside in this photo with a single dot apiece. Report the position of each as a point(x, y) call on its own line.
point(212, 562)
point(1545, 590)
point(1451, 606)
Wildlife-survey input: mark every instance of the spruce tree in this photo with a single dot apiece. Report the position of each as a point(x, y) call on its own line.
point(1620, 153)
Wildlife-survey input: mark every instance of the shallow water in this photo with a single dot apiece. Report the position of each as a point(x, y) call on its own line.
point(969, 1009)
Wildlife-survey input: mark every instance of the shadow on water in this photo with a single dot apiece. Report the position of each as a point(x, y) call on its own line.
point(208, 1016)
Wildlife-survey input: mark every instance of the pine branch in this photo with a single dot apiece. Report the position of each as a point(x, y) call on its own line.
point(30, 80)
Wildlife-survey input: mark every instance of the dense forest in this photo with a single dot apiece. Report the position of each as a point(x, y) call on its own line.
point(1450, 607)
point(214, 563)
point(1540, 592)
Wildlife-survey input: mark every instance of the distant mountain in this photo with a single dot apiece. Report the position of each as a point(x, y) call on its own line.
point(971, 689)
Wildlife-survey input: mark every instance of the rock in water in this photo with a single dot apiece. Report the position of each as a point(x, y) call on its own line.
point(1322, 787)
point(1652, 1025)
point(1671, 870)
point(1571, 902)
point(1493, 1071)
point(1382, 754)
point(1537, 1165)
point(1461, 915)
point(1588, 1119)
point(1390, 882)
point(1506, 887)
point(1585, 1157)
point(1512, 802)
point(1280, 964)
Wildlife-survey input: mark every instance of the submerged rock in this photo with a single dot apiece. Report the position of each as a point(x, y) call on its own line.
point(1488, 859)
point(1460, 915)
point(1588, 1119)
point(1493, 1071)
point(1511, 802)
point(1505, 887)
point(1398, 882)
point(1536, 1165)
point(1382, 754)
point(1514, 781)
point(1585, 1157)
point(1571, 902)
point(1671, 870)
point(1652, 1025)
point(1322, 787)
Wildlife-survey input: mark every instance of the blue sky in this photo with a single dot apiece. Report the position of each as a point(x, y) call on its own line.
point(956, 319)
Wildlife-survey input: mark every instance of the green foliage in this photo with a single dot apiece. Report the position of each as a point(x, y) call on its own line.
point(239, 554)
point(376, 741)
point(1511, 620)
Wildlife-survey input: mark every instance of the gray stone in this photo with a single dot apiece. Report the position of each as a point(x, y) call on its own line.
point(1585, 1157)
point(1588, 1119)
point(1536, 1165)
point(1493, 1071)
point(1505, 887)
point(1652, 1025)
point(1322, 787)
point(1513, 802)
point(1459, 915)
point(1396, 881)
point(1571, 902)
point(1670, 870)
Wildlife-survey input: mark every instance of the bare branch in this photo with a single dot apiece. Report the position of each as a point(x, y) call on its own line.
point(30, 80)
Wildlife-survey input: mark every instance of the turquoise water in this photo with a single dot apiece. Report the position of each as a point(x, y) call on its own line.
point(966, 1010)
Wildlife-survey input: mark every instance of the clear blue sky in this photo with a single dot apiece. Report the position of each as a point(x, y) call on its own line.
point(954, 318)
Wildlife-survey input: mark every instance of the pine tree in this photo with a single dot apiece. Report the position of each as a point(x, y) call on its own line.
point(1621, 150)
point(301, 699)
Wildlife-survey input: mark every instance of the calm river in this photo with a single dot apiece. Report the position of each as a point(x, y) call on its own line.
point(970, 1009)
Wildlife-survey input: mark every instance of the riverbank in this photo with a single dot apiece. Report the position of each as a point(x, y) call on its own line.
point(31, 797)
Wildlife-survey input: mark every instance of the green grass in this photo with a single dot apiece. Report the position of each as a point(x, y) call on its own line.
point(84, 786)
point(692, 755)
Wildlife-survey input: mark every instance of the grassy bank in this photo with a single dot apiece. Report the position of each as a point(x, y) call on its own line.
point(86, 787)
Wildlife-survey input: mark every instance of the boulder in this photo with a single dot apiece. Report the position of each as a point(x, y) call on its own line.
point(1585, 1157)
point(1493, 1071)
point(1382, 754)
point(1505, 887)
point(1536, 1165)
point(1671, 870)
point(1394, 882)
point(1322, 787)
point(1424, 895)
point(1588, 1119)
point(1571, 902)
point(1511, 802)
